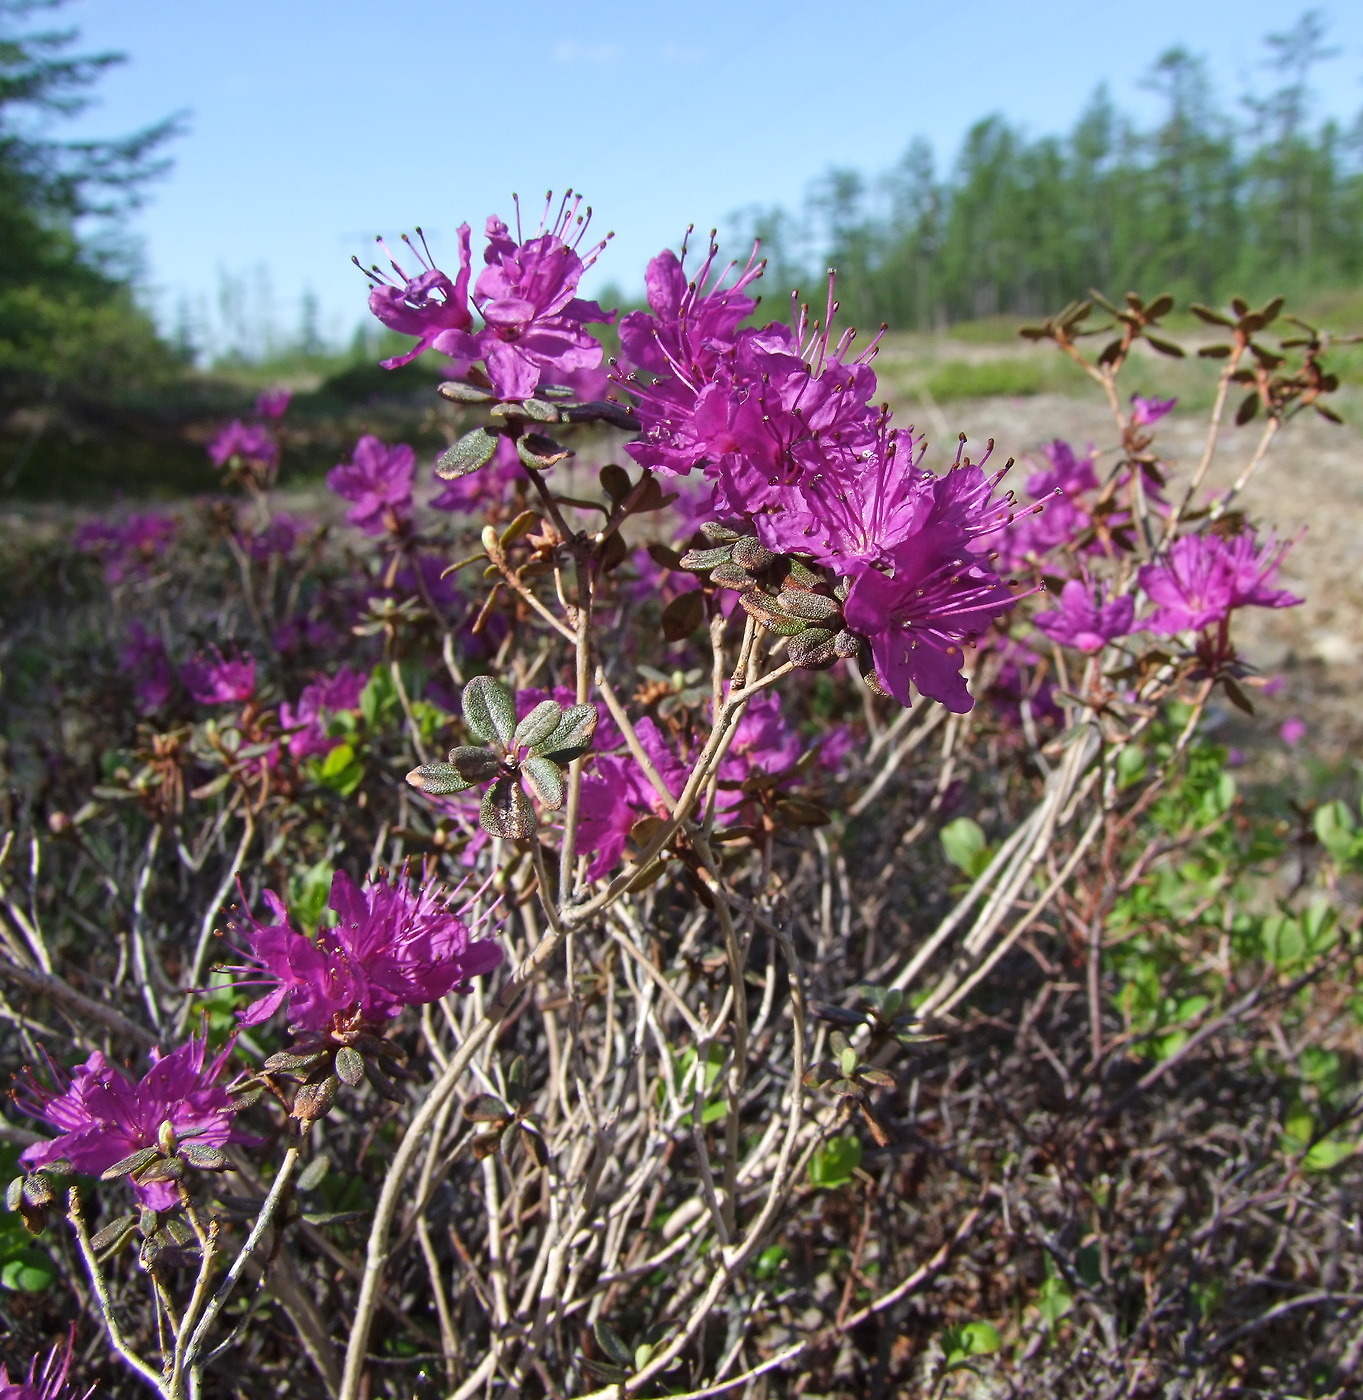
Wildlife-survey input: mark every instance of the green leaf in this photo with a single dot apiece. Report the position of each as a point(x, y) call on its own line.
point(340, 770)
point(472, 451)
point(546, 777)
point(1328, 1153)
point(31, 1272)
point(769, 1261)
point(970, 1339)
point(438, 779)
point(612, 1344)
point(506, 811)
point(131, 1163)
point(489, 711)
point(964, 845)
point(1054, 1300)
point(379, 697)
point(572, 736)
point(538, 725)
point(475, 765)
point(349, 1065)
point(834, 1162)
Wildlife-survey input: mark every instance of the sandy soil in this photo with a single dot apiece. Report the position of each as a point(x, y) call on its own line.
point(1310, 484)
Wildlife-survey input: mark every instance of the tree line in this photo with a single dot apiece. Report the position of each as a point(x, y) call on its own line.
point(1203, 203)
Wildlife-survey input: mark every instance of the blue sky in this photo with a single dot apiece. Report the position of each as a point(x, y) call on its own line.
point(315, 125)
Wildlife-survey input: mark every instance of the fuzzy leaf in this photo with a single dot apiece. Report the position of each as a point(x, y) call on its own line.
point(438, 779)
point(1165, 347)
point(313, 1101)
point(472, 451)
point(812, 648)
point(546, 777)
point(312, 1176)
point(611, 1343)
point(506, 811)
point(538, 725)
point(382, 1084)
point(131, 1163)
point(486, 1108)
point(540, 452)
point(163, 1169)
point(814, 607)
point(475, 765)
point(697, 561)
point(489, 711)
point(115, 1234)
point(208, 1159)
point(751, 555)
point(731, 575)
point(1249, 406)
point(349, 1065)
point(462, 392)
point(572, 735)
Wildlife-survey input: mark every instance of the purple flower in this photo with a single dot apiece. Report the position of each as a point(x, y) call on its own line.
point(792, 418)
point(1085, 619)
point(390, 947)
point(1293, 730)
point(278, 537)
point(144, 658)
point(1146, 411)
point(851, 511)
point(607, 813)
point(427, 305)
point(304, 631)
point(47, 1384)
point(104, 1115)
point(937, 595)
point(835, 746)
point(219, 680)
point(250, 442)
point(378, 479)
point(129, 548)
point(763, 742)
point(527, 296)
point(1058, 515)
point(681, 348)
point(1203, 578)
point(308, 719)
point(274, 403)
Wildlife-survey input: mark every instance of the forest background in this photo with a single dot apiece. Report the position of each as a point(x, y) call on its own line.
point(1213, 197)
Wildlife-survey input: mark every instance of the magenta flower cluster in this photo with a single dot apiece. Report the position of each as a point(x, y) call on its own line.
point(47, 1383)
point(533, 329)
point(781, 423)
point(128, 548)
point(102, 1114)
point(391, 946)
point(378, 481)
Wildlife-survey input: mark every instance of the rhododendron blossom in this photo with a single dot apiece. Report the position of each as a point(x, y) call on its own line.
point(274, 403)
point(48, 1384)
point(1086, 619)
point(214, 679)
point(1203, 578)
point(248, 441)
point(378, 479)
point(390, 947)
point(104, 1115)
point(426, 304)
